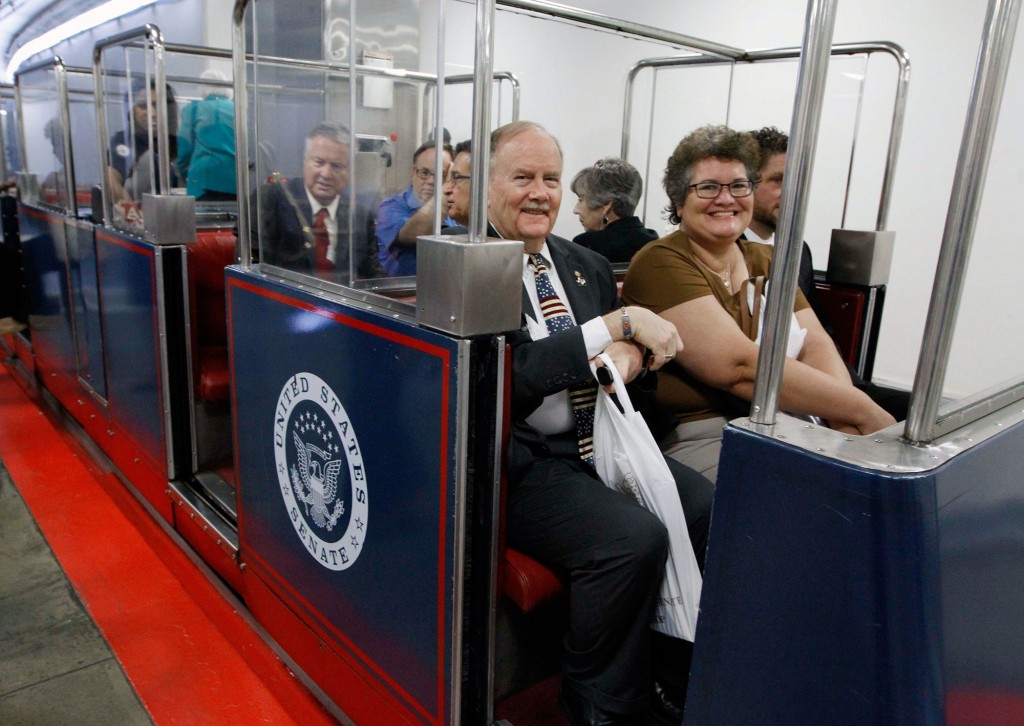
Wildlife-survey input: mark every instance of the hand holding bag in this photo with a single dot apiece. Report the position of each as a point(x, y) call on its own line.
point(628, 460)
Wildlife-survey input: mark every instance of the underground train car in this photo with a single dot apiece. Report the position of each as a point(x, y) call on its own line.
point(315, 407)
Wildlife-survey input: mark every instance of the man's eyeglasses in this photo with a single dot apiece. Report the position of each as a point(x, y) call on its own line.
point(710, 190)
point(455, 177)
point(425, 174)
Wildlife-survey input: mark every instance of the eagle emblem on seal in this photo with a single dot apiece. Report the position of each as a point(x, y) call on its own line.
point(315, 483)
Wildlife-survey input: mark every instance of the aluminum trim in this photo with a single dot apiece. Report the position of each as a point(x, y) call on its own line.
point(886, 451)
point(463, 384)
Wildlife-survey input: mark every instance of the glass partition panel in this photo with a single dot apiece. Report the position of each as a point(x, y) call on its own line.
point(43, 134)
point(134, 122)
point(337, 118)
point(852, 143)
point(204, 149)
point(10, 158)
point(85, 154)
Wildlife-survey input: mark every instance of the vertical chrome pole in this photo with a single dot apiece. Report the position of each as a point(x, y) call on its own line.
point(65, 124)
point(481, 157)
point(853, 144)
point(241, 131)
point(969, 181)
point(163, 122)
point(814, 59)
point(899, 110)
point(440, 203)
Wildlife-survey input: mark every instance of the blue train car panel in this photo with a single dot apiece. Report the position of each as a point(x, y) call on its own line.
point(841, 594)
point(128, 299)
point(85, 299)
point(346, 450)
point(45, 256)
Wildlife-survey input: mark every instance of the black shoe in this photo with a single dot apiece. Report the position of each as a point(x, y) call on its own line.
point(666, 704)
point(582, 712)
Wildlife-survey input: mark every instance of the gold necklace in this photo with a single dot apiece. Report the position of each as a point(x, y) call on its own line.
point(725, 276)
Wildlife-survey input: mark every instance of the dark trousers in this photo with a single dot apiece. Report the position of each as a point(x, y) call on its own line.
point(613, 553)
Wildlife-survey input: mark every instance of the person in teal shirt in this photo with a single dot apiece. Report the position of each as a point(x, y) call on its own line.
point(206, 143)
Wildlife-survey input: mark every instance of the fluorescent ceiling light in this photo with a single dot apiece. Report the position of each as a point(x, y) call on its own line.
point(88, 20)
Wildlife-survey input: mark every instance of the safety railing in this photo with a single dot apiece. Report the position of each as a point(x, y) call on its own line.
point(923, 423)
point(50, 77)
point(792, 53)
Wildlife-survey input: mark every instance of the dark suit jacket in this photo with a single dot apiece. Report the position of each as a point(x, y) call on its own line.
point(543, 367)
point(286, 233)
point(619, 241)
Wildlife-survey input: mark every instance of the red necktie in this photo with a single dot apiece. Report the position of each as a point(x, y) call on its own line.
point(323, 241)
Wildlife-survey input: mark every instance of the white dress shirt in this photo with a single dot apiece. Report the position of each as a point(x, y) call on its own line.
point(554, 415)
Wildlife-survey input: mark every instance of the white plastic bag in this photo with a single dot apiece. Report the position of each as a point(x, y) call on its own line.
point(797, 334)
point(628, 460)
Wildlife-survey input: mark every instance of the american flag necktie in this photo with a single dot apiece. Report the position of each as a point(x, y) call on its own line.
point(557, 318)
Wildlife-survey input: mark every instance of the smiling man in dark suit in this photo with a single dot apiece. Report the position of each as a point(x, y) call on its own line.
point(304, 223)
point(611, 550)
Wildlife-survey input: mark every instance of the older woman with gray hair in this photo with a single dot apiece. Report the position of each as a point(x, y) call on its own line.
point(707, 281)
point(608, 194)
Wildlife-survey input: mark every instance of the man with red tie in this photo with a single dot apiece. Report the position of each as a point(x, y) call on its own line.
point(611, 550)
point(308, 225)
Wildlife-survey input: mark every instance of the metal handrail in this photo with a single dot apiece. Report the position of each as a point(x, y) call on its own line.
point(789, 235)
point(969, 178)
point(155, 38)
point(238, 58)
point(61, 71)
point(790, 53)
point(497, 76)
point(649, 32)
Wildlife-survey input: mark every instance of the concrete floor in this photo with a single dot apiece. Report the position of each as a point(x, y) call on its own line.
point(55, 666)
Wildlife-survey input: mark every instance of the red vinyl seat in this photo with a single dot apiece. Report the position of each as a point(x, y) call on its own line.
point(528, 583)
point(212, 251)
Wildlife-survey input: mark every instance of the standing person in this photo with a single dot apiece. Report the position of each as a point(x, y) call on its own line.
point(206, 143)
point(608, 194)
point(405, 216)
point(456, 184)
point(698, 278)
point(304, 223)
point(612, 550)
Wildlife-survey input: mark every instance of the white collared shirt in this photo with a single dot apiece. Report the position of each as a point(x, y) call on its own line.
point(331, 222)
point(753, 236)
point(554, 415)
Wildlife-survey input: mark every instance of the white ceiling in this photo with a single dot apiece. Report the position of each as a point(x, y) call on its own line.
point(23, 20)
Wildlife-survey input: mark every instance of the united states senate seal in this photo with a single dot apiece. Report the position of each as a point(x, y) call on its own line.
point(320, 471)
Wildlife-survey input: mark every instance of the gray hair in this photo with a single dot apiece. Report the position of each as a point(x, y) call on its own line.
point(612, 180)
point(707, 142)
point(328, 130)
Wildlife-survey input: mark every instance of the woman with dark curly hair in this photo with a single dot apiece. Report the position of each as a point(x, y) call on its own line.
point(707, 281)
point(608, 194)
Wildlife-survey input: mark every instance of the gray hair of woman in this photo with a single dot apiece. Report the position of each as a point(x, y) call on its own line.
point(707, 142)
point(612, 180)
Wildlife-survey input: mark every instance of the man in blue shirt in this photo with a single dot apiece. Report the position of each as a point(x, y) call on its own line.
point(405, 216)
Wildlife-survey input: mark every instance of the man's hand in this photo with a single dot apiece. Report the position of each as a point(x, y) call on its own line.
point(650, 331)
point(627, 359)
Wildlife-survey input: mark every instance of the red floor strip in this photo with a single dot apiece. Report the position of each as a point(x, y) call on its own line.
point(189, 655)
